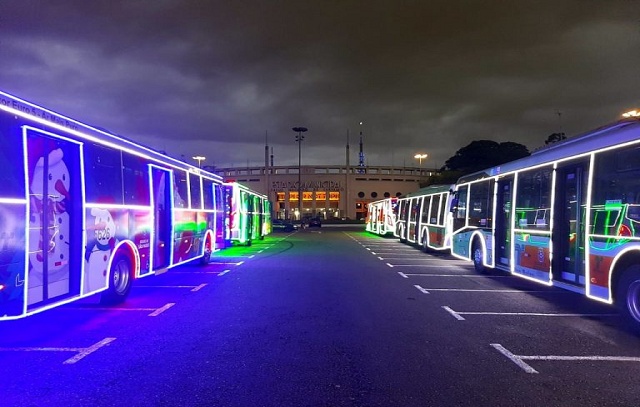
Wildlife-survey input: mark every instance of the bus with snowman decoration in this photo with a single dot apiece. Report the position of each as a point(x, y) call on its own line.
point(84, 211)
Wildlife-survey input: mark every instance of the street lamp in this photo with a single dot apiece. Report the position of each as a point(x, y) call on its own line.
point(632, 113)
point(199, 159)
point(299, 138)
point(420, 157)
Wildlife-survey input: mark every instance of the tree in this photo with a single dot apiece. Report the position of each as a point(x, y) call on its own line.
point(481, 154)
point(554, 138)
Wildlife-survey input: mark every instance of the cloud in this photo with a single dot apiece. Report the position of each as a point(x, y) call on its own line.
point(423, 76)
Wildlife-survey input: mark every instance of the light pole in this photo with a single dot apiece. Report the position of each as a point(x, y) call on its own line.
point(299, 138)
point(199, 159)
point(420, 157)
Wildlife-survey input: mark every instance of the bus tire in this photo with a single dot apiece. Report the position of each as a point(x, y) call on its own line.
point(120, 278)
point(206, 257)
point(628, 296)
point(425, 244)
point(477, 255)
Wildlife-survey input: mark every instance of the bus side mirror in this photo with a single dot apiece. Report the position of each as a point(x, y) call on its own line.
point(454, 205)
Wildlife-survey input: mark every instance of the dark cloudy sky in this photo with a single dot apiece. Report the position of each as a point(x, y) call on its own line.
point(211, 77)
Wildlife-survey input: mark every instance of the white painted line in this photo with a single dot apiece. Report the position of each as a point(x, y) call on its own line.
point(525, 314)
point(535, 314)
point(380, 258)
point(389, 265)
point(421, 289)
point(260, 251)
point(200, 272)
point(87, 351)
point(82, 352)
point(198, 288)
point(367, 248)
point(452, 312)
point(487, 290)
point(222, 273)
point(514, 358)
point(402, 274)
point(427, 266)
point(252, 256)
point(238, 264)
point(453, 275)
point(162, 309)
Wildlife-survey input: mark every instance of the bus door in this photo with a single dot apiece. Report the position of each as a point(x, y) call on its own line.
point(568, 228)
point(161, 193)
point(504, 203)
point(55, 218)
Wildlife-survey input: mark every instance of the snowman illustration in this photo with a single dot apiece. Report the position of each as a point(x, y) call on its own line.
point(99, 250)
point(49, 242)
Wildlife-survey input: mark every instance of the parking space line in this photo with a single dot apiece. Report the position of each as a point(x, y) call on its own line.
point(482, 290)
point(421, 289)
point(82, 352)
point(198, 288)
point(427, 266)
point(514, 358)
point(402, 274)
point(459, 317)
point(452, 275)
point(519, 359)
point(222, 273)
point(162, 309)
point(193, 287)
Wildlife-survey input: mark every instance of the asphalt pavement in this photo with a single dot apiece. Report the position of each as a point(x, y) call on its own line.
point(324, 317)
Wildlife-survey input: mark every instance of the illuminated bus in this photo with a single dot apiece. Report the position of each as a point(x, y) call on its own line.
point(567, 216)
point(424, 217)
point(83, 211)
point(381, 216)
point(248, 214)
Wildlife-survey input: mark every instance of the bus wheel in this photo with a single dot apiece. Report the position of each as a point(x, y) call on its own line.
point(478, 257)
point(119, 281)
point(628, 296)
point(206, 257)
point(425, 245)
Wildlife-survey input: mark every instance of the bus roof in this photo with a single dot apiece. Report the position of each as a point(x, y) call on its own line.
point(430, 190)
point(623, 131)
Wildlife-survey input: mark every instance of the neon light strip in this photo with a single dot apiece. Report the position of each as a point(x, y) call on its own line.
point(512, 219)
point(552, 215)
point(120, 206)
point(13, 201)
point(27, 211)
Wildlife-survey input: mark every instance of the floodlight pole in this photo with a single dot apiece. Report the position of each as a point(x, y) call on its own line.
point(299, 138)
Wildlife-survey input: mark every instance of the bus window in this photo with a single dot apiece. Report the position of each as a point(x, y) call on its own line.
point(103, 174)
point(425, 210)
point(533, 198)
point(433, 214)
point(460, 209)
point(180, 190)
point(207, 193)
point(135, 175)
point(194, 191)
point(616, 183)
point(11, 176)
point(481, 204)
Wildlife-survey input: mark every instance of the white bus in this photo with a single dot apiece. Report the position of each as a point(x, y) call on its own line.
point(83, 211)
point(381, 216)
point(424, 217)
point(567, 216)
